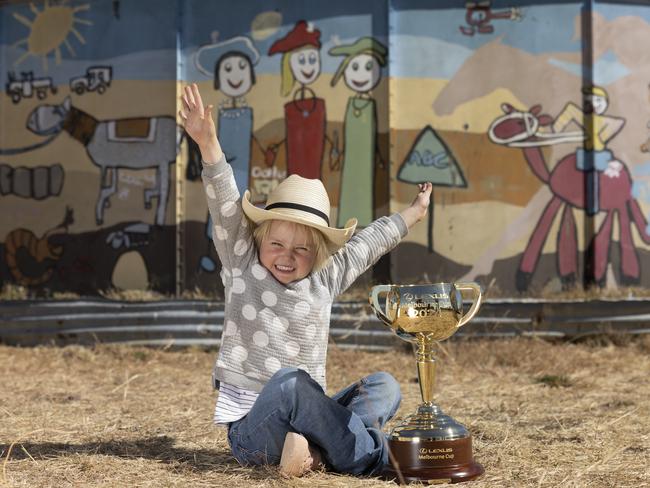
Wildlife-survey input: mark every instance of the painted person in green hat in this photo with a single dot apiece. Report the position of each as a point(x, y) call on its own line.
point(361, 70)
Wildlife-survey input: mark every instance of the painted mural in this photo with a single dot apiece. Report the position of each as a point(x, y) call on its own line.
point(530, 119)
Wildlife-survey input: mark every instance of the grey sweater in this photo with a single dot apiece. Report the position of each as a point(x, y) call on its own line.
point(268, 325)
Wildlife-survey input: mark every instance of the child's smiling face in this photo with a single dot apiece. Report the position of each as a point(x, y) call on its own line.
point(287, 252)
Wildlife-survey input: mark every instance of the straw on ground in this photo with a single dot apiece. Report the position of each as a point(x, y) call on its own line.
point(542, 414)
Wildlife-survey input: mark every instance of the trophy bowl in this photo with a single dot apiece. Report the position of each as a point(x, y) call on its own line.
point(428, 447)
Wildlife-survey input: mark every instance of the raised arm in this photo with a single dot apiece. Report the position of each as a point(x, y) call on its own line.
point(570, 113)
point(369, 244)
point(198, 123)
point(230, 234)
point(418, 208)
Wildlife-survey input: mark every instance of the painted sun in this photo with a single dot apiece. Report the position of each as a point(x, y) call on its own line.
point(50, 29)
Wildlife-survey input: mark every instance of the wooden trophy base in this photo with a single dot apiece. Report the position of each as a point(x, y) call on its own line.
point(432, 462)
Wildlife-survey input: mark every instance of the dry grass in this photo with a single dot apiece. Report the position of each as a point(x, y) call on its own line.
point(16, 292)
point(354, 293)
point(542, 414)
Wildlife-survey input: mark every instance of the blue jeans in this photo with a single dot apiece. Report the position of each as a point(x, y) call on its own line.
point(346, 427)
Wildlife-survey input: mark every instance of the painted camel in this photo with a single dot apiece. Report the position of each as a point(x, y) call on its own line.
point(568, 186)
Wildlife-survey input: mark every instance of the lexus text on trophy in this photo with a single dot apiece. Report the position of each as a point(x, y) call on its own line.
point(429, 446)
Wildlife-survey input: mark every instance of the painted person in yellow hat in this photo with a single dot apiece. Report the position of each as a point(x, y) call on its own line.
point(599, 129)
point(361, 70)
point(282, 267)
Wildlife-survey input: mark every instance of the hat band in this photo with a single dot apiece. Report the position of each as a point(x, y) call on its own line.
point(297, 206)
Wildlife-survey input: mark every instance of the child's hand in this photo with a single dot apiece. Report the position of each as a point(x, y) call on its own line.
point(198, 123)
point(421, 200)
point(418, 208)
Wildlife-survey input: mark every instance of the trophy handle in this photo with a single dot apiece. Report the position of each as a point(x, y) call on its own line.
point(478, 297)
point(374, 302)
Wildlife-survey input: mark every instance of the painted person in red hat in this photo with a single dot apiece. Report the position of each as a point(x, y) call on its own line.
point(304, 115)
point(283, 266)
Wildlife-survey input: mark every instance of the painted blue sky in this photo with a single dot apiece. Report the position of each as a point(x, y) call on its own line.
point(542, 28)
point(143, 42)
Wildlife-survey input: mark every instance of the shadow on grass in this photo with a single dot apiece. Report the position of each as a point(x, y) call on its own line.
point(156, 448)
point(160, 449)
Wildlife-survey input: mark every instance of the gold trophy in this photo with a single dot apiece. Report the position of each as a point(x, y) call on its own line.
point(428, 447)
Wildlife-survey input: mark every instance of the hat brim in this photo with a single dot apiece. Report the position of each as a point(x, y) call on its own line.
point(336, 238)
point(207, 56)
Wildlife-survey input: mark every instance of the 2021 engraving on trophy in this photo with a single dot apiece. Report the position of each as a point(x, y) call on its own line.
point(432, 314)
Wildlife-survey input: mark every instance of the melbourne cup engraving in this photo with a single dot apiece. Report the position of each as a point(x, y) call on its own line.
point(428, 447)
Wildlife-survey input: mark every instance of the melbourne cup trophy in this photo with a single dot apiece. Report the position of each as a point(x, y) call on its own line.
point(428, 447)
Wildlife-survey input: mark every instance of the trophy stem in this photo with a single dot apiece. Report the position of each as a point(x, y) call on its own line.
point(426, 368)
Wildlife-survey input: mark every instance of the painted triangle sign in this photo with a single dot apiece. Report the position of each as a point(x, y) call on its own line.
point(431, 160)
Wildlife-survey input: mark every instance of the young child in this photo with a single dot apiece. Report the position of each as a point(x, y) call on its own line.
point(282, 267)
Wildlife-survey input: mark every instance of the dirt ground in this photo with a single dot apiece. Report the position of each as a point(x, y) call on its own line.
point(542, 414)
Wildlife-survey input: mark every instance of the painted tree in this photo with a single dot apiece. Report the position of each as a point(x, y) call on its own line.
point(429, 159)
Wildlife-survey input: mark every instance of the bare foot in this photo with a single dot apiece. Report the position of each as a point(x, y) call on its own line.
point(298, 457)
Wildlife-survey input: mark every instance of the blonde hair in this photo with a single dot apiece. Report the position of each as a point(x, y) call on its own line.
point(314, 236)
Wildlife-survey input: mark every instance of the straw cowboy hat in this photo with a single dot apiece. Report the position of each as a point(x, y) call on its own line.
point(303, 201)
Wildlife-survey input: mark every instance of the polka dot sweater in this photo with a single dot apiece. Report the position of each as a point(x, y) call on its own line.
point(269, 325)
